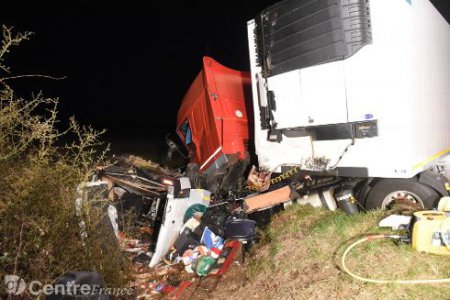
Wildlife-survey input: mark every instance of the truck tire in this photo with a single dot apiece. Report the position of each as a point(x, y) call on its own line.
point(386, 191)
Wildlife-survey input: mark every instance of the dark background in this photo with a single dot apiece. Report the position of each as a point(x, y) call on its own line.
point(129, 64)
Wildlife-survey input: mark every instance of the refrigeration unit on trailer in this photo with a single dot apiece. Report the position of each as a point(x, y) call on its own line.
point(354, 89)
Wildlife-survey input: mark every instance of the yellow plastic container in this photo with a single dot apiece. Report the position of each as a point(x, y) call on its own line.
point(431, 232)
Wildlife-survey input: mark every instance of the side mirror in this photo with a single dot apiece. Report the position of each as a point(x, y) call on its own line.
point(172, 148)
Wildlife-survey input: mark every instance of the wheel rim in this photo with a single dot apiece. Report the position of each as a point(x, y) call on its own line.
point(391, 198)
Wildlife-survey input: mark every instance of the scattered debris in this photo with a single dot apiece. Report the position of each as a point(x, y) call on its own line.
point(258, 180)
point(175, 235)
point(267, 200)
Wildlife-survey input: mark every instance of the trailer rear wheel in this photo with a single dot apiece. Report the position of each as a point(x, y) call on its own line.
point(389, 191)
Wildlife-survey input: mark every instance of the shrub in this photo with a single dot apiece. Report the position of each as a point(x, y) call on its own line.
point(39, 231)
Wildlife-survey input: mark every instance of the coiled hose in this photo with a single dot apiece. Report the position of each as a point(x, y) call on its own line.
point(383, 281)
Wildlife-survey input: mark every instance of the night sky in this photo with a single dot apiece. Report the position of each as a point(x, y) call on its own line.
point(129, 64)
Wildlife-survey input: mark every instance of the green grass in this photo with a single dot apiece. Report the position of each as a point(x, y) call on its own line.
point(300, 258)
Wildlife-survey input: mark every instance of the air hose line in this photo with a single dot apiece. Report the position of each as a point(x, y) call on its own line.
point(383, 281)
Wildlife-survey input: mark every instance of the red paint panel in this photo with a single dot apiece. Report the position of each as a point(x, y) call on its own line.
point(215, 109)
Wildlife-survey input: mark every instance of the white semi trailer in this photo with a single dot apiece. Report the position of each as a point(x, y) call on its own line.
point(357, 90)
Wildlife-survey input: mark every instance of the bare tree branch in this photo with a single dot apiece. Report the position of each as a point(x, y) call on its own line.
point(9, 40)
point(32, 75)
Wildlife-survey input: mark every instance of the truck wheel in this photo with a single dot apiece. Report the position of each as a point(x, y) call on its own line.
point(387, 191)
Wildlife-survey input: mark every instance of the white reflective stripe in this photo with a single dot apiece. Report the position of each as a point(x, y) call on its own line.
point(211, 157)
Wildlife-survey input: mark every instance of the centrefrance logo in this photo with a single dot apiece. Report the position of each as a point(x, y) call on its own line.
point(15, 285)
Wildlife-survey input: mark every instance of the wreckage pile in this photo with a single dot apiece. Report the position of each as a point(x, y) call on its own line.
point(172, 233)
point(176, 234)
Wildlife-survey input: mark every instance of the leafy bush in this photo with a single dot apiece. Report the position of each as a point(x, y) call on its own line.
point(39, 231)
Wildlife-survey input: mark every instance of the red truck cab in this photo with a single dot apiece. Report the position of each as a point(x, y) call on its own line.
point(212, 119)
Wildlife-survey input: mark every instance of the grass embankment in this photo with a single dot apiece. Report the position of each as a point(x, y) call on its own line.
point(300, 254)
